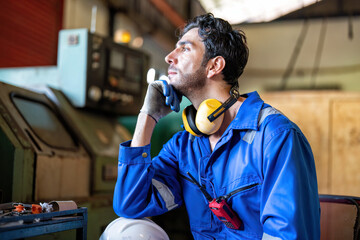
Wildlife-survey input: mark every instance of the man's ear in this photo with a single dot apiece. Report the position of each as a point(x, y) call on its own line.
point(215, 66)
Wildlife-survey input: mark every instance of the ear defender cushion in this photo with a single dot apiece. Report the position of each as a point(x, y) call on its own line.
point(202, 122)
point(188, 116)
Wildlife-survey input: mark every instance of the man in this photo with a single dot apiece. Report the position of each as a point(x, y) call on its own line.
point(257, 161)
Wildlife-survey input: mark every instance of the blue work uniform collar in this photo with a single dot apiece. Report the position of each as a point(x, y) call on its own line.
point(248, 114)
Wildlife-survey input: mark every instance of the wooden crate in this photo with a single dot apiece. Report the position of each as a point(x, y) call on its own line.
point(331, 122)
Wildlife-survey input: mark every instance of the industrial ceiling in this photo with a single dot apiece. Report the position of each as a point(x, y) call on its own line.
point(254, 11)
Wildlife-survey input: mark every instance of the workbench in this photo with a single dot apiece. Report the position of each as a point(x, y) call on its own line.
point(15, 227)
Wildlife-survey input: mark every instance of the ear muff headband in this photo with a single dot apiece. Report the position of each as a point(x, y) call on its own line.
point(188, 116)
point(234, 95)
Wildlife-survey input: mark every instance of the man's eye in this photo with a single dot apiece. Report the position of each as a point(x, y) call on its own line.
point(184, 49)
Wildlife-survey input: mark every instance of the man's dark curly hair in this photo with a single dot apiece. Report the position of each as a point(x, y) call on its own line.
point(221, 40)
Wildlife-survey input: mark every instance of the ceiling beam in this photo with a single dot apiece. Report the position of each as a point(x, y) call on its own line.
point(169, 12)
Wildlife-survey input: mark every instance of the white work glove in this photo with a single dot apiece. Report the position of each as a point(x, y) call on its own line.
point(160, 100)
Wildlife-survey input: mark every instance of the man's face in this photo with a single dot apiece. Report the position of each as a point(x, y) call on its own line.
point(186, 72)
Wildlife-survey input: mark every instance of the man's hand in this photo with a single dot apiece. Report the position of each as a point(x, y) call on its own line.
point(160, 99)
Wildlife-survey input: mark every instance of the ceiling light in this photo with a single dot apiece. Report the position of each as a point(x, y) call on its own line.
point(238, 11)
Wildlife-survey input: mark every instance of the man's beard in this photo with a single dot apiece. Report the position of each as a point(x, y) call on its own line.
point(191, 82)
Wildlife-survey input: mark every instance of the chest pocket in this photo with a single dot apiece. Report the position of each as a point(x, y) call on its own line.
point(244, 199)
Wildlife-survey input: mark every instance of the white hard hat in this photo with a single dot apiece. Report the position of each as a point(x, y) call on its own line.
point(133, 229)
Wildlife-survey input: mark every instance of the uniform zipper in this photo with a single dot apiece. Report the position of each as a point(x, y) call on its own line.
point(239, 190)
point(231, 193)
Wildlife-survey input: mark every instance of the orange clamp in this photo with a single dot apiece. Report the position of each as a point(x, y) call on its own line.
point(35, 209)
point(19, 208)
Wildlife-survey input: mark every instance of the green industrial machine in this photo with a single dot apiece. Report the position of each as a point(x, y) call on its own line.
point(44, 155)
point(39, 150)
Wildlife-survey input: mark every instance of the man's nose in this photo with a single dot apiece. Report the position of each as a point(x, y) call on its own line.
point(170, 58)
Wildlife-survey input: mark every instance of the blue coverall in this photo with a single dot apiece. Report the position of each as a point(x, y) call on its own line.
point(263, 163)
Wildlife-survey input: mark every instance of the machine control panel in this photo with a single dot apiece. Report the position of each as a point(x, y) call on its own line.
point(97, 73)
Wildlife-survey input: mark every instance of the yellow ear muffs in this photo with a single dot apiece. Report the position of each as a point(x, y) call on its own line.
point(202, 122)
point(197, 122)
point(188, 116)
